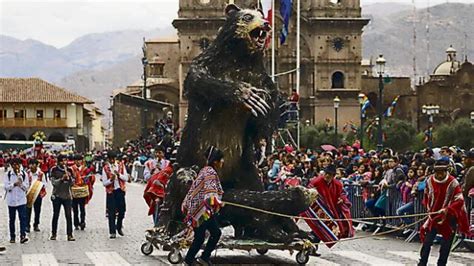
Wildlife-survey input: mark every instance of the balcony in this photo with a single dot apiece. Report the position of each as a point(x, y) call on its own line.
point(27, 123)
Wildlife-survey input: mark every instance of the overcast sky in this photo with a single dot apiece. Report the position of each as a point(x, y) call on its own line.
point(58, 22)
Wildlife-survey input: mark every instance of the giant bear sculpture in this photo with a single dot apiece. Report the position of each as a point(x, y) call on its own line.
point(232, 104)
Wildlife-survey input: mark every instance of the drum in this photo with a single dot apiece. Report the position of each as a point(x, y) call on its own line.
point(80, 191)
point(33, 193)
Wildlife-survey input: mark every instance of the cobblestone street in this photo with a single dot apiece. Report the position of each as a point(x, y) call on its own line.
point(93, 246)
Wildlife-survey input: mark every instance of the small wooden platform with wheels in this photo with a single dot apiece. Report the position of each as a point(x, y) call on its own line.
point(177, 244)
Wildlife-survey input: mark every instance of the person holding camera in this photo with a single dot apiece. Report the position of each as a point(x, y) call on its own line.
point(62, 179)
point(16, 186)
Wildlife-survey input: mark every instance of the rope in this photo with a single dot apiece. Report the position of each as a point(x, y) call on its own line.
point(378, 234)
point(326, 219)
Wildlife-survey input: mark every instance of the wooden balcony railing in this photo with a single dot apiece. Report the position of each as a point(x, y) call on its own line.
point(25, 123)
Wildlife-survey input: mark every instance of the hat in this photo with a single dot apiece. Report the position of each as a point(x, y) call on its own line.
point(62, 157)
point(330, 169)
point(442, 163)
point(470, 154)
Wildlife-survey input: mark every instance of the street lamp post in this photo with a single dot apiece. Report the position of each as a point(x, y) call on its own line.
point(380, 62)
point(144, 96)
point(430, 111)
point(361, 98)
point(336, 106)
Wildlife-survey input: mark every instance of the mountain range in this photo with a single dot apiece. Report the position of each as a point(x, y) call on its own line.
point(95, 64)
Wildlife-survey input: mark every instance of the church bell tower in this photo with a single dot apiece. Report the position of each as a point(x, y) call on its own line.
point(337, 47)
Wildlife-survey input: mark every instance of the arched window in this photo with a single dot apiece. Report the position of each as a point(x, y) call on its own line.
point(337, 80)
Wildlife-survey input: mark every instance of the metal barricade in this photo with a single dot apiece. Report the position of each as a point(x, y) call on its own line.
point(460, 240)
point(359, 195)
point(419, 208)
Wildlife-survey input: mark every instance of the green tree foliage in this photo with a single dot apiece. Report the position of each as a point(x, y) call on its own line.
point(460, 133)
point(399, 135)
point(314, 136)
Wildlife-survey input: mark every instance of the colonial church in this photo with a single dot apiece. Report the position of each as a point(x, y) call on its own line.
point(331, 65)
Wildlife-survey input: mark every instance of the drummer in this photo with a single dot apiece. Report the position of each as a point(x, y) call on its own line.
point(35, 174)
point(16, 186)
point(79, 203)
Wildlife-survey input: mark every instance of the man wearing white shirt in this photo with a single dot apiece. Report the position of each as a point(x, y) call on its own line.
point(114, 177)
point(16, 186)
point(34, 173)
point(153, 166)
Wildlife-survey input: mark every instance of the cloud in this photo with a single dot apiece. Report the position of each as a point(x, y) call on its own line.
point(60, 22)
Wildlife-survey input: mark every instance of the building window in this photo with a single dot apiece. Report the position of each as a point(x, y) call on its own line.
point(3, 114)
point(157, 70)
point(19, 113)
point(39, 114)
point(57, 114)
point(337, 80)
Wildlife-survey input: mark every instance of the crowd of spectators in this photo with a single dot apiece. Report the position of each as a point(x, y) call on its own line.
point(373, 175)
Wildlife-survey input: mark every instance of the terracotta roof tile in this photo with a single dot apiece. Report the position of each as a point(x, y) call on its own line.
point(35, 90)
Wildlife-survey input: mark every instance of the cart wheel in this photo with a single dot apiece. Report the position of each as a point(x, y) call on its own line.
point(146, 248)
point(262, 251)
point(175, 257)
point(302, 257)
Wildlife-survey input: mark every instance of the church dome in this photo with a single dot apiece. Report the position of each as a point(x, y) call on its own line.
point(446, 68)
point(450, 66)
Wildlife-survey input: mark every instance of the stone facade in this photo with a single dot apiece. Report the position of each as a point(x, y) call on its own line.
point(330, 51)
point(127, 116)
point(454, 93)
point(331, 64)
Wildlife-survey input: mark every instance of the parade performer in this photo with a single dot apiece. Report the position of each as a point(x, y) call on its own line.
point(201, 204)
point(155, 191)
point(332, 203)
point(16, 185)
point(80, 193)
point(443, 195)
point(114, 177)
point(154, 165)
point(62, 179)
point(88, 172)
point(35, 174)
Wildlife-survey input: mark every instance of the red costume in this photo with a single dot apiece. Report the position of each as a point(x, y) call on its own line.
point(336, 201)
point(89, 179)
point(154, 191)
point(444, 194)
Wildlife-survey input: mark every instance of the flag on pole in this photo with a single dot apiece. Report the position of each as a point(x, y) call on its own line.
point(389, 111)
point(285, 11)
point(365, 105)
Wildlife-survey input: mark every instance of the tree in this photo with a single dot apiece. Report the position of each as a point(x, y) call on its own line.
point(458, 133)
point(399, 135)
point(317, 135)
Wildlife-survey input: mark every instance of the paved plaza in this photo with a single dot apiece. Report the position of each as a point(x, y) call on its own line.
point(93, 246)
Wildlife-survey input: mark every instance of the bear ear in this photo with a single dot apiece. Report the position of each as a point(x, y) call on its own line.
point(259, 8)
point(230, 9)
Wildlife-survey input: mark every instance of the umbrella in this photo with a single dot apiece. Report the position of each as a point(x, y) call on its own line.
point(328, 147)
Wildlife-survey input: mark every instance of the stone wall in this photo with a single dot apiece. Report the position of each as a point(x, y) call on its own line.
point(127, 117)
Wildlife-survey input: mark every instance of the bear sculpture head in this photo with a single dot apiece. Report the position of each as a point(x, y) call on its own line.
point(245, 30)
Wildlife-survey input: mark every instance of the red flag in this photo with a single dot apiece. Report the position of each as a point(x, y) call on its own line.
point(269, 18)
